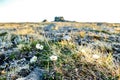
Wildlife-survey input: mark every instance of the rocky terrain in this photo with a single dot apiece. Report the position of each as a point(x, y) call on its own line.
point(82, 51)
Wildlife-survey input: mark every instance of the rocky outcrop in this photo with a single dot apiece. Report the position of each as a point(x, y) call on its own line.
point(59, 19)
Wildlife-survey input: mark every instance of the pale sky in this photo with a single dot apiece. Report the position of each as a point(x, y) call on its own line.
point(74, 10)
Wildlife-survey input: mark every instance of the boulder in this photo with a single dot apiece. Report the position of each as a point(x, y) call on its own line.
point(24, 72)
point(36, 74)
point(45, 20)
point(59, 19)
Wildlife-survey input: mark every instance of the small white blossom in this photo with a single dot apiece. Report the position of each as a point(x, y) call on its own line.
point(33, 59)
point(95, 56)
point(83, 51)
point(38, 46)
point(41, 47)
point(53, 58)
point(76, 70)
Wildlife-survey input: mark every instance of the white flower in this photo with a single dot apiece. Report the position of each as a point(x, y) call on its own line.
point(38, 46)
point(95, 56)
point(53, 58)
point(41, 47)
point(83, 51)
point(76, 69)
point(33, 59)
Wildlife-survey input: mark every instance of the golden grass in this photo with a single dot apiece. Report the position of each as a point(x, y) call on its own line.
point(18, 25)
point(58, 24)
point(24, 31)
point(90, 65)
point(117, 29)
point(82, 34)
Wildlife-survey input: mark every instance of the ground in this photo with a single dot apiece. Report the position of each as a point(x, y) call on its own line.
point(64, 51)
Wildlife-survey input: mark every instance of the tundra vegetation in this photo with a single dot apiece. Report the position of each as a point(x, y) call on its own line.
point(60, 51)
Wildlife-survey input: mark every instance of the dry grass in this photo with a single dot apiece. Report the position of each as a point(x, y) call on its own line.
point(58, 24)
point(117, 30)
point(24, 31)
point(81, 63)
point(17, 25)
point(82, 34)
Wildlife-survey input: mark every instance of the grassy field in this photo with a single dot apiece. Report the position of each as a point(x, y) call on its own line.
point(65, 59)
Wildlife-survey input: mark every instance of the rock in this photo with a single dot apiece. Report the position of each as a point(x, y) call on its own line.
point(2, 57)
point(99, 24)
point(113, 38)
point(50, 27)
point(36, 74)
point(116, 56)
point(45, 20)
point(78, 40)
point(118, 39)
point(67, 37)
point(59, 19)
point(4, 66)
point(24, 72)
point(21, 61)
point(116, 48)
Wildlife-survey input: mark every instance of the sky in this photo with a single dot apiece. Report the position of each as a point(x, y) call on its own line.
point(74, 10)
